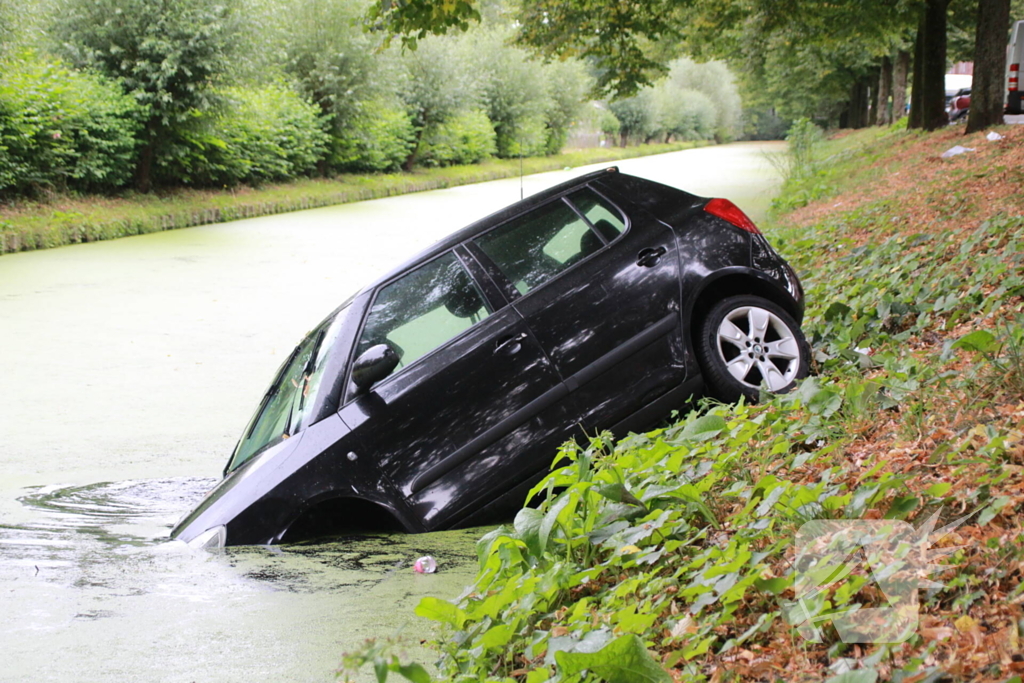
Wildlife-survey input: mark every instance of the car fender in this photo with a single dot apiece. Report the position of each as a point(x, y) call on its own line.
point(735, 280)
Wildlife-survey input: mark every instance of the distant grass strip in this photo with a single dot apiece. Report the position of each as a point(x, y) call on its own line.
point(71, 220)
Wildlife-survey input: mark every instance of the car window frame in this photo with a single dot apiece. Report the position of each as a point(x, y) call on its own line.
point(488, 289)
point(494, 271)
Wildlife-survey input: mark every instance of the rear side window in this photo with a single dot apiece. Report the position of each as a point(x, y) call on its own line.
point(604, 217)
point(538, 246)
point(424, 309)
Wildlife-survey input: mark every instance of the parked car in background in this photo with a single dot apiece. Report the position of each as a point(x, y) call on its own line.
point(955, 83)
point(1014, 58)
point(958, 106)
point(437, 396)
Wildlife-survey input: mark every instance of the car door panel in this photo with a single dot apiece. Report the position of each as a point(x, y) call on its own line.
point(428, 425)
point(611, 323)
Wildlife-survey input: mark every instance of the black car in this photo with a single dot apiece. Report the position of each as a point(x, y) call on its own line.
point(437, 396)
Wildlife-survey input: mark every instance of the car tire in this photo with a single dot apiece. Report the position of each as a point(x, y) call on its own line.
point(746, 341)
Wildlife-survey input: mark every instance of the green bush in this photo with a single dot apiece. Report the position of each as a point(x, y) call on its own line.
point(63, 129)
point(568, 84)
point(684, 114)
point(716, 82)
point(467, 138)
point(637, 117)
point(379, 139)
point(262, 134)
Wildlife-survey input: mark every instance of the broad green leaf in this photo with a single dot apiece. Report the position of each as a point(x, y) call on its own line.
point(993, 509)
point(620, 494)
point(527, 525)
point(551, 517)
point(938, 490)
point(825, 402)
point(441, 610)
point(624, 660)
point(982, 341)
point(496, 637)
point(414, 672)
point(901, 507)
point(774, 586)
point(703, 428)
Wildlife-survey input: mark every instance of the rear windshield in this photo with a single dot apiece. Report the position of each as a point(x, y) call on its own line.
point(285, 407)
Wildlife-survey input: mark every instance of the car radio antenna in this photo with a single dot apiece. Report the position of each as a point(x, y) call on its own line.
point(520, 169)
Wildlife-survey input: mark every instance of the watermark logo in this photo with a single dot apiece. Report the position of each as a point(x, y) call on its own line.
point(851, 554)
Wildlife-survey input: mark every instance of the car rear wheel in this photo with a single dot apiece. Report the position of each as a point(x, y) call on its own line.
point(746, 343)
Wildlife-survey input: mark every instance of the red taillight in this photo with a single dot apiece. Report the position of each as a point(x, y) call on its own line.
point(1014, 77)
point(726, 210)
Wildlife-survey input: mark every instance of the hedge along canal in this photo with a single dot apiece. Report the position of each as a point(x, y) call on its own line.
point(131, 366)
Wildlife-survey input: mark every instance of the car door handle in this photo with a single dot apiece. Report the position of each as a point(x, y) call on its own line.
point(649, 257)
point(511, 345)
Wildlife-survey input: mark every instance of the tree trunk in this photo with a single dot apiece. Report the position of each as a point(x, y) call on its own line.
point(900, 70)
point(144, 171)
point(989, 65)
point(882, 116)
point(859, 103)
point(874, 97)
point(933, 70)
point(410, 160)
point(917, 86)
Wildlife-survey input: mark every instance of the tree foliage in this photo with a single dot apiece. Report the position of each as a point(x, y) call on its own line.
point(259, 134)
point(61, 129)
point(167, 54)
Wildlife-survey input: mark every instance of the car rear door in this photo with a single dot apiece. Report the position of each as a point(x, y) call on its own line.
point(600, 292)
point(476, 405)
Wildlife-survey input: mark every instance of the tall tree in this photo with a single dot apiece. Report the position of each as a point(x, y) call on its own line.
point(900, 73)
point(883, 115)
point(988, 88)
point(167, 54)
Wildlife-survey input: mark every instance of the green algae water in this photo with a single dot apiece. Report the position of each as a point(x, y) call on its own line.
point(128, 368)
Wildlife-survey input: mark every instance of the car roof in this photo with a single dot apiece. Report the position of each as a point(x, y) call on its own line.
point(496, 218)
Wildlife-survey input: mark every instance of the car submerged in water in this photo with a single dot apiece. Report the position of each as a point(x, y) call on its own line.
point(437, 396)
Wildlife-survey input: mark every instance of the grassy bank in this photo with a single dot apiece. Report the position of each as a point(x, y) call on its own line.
point(671, 555)
point(70, 220)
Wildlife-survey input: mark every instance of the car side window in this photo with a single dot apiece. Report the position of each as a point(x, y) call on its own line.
point(534, 248)
point(424, 309)
point(603, 216)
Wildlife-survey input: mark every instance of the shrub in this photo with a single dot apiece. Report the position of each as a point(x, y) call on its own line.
point(379, 139)
point(467, 138)
point(637, 117)
point(714, 80)
point(684, 114)
point(261, 134)
point(168, 54)
point(515, 95)
point(567, 85)
point(63, 129)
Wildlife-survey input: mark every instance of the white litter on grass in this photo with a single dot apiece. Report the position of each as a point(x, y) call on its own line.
point(953, 151)
point(993, 137)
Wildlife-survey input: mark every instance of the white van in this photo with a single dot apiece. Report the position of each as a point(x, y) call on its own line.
point(1014, 57)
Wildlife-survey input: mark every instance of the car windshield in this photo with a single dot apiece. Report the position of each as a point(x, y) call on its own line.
point(285, 407)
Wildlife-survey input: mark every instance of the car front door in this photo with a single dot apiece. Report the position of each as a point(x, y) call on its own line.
point(601, 294)
point(475, 405)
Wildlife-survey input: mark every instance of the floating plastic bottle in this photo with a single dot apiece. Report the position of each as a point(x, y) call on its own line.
point(425, 565)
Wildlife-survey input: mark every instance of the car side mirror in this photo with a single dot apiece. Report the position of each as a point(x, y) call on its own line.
point(373, 365)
